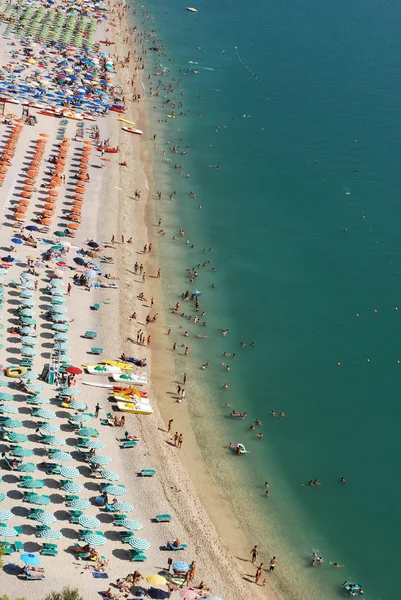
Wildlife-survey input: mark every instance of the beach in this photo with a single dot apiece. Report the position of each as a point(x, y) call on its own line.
point(182, 487)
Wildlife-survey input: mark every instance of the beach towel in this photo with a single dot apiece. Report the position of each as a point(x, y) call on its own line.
point(99, 575)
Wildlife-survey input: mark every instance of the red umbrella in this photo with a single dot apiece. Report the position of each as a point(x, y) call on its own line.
point(74, 370)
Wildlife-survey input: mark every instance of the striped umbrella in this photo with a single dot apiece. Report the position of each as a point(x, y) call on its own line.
point(49, 534)
point(32, 484)
point(94, 540)
point(60, 327)
point(73, 488)
point(45, 414)
point(92, 443)
point(66, 391)
point(28, 351)
point(40, 400)
point(8, 532)
point(58, 310)
point(22, 452)
point(36, 387)
point(59, 318)
point(180, 565)
point(27, 302)
point(77, 405)
point(12, 423)
point(29, 341)
point(49, 428)
point(80, 503)
point(110, 475)
point(115, 490)
point(61, 337)
point(45, 518)
point(27, 276)
point(27, 294)
point(61, 456)
point(61, 347)
point(26, 330)
point(5, 515)
point(82, 418)
point(139, 543)
point(124, 506)
point(2, 497)
point(30, 375)
point(28, 321)
point(55, 441)
point(56, 283)
point(40, 500)
point(4, 397)
point(86, 521)
point(131, 525)
point(27, 312)
point(18, 438)
point(69, 472)
point(27, 468)
point(9, 409)
point(100, 460)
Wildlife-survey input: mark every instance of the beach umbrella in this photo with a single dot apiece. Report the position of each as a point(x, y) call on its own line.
point(8, 259)
point(28, 321)
point(28, 351)
point(100, 460)
point(82, 418)
point(139, 543)
point(45, 414)
point(18, 438)
point(58, 310)
point(8, 532)
point(93, 244)
point(110, 475)
point(72, 488)
point(214, 598)
point(180, 565)
point(60, 327)
point(40, 400)
point(88, 522)
point(9, 408)
point(56, 283)
point(74, 370)
point(115, 490)
point(66, 391)
point(49, 428)
point(30, 375)
point(26, 330)
point(2, 497)
point(29, 341)
point(23, 452)
point(30, 559)
point(88, 432)
point(78, 405)
point(80, 503)
point(123, 506)
point(158, 580)
point(27, 293)
point(36, 387)
point(188, 594)
point(27, 468)
point(70, 472)
point(49, 534)
point(91, 443)
point(5, 515)
point(60, 234)
point(27, 276)
point(27, 302)
point(27, 312)
point(133, 526)
point(61, 457)
point(33, 484)
point(4, 397)
point(17, 241)
point(12, 423)
point(94, 539)
point(61, 337)
point(55, 441)
point(32, 228)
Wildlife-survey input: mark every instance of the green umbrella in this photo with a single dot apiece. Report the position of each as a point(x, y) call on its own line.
point(79, 503)
point(5, 515)
point(28, 321)
point(138, 543)
point(17, 438)
point(56, 283)
point(123, 506)
point(29, 341)
point(12, 423)
point(55, 441)
point(49, 428)
point(131, 525)
point(81, 418)
point(40, 500)
point(69, 472)
point(8, 532)
point(72, 487)
point(27, 468)
point(88, 432)
point(88, 522)
point(27, 312)
point(49, 534)
point(60, 327)
point(9, 409)
point(26, 330)
point(36, 387)
point(27, 276)
point(45, 414)
point(45, 518)
point(61, 337)
point(66, 391)
point(28, 351)
point(30, 375)
point(61, 456)
point(78, 405)
point(115, 490)
point(22, 452)
point(59, 310)
point(32, 484)
point(27, 302)
point(60, 234)
point(94, 539)
point(100, 460)
point(39, 400)
point(91, 443)
point(6, 397)
point(110, 475)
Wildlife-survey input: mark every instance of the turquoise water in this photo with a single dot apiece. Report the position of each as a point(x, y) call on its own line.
point(320, 155)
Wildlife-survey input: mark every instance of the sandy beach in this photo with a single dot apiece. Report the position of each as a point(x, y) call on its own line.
point(182, 486)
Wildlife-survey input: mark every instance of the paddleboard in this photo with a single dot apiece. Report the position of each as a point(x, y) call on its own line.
point(126, 121)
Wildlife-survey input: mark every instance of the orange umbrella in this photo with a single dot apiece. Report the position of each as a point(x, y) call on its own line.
point(24, 202)
point(49, 206)
point(28, 188)
point(76, 210)
point(26, 194)
point(50, 199)
point(19, 217)
point(48, 213)
point(53, 193)
point(43, 135)
point(73, 225)
point(77, 203)
point(45, 221)
point(75, 218)
point(21, 208)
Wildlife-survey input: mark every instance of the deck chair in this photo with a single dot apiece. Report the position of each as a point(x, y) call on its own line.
point(165, 518)
point(148, 472)
point(129, 444)
point(91, 335)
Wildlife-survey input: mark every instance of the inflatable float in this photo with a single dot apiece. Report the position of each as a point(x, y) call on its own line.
point(15, 371)
point(240, 449)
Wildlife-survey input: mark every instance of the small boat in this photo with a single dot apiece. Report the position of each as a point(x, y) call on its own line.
point(102, 370)
point(137, 409)
point(129, 391)
point(131, 398)
point(191, 9)
point(353, 588)
point(136, 378)
point(132, 130)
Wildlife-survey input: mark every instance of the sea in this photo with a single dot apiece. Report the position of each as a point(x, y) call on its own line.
point(290, 134)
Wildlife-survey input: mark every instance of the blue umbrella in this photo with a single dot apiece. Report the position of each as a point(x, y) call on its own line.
point(29, 341)
point(32, 228)
point(4, 397)
point(92, 444)
point(81, 418)
point(8, 532)
point(30, 559)
point(27, 468)
point(100, 460)
point(70, 472)
point(17, 241)
point(180, 565)
point(55, 441)
point(94, 540)
point(115, 490)
point(5, 515)
point(110, 475)
point(12, 423)
point(27, 276)
point(49, 534)
point(78, 405)
point(45, 414)
point(60, 327)
point(23, 452)
point(45, 518)
point(9, 408)
point(66, 391)
point(8, 259)
point(39, 400)
point(28, 351)
point(49, 428)
point(30, 375)
point(36, 387)
point(88, 522)
point(72, 487)
point(80, 503)
point(18, 438)
point(61, 456)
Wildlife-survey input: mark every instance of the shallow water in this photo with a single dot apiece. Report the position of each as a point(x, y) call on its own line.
point(319, 155)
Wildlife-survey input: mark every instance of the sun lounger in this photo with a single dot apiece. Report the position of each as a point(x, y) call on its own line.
point(129, 444)
point(91, 335)
point(96, 350)
point(126, 535)
point(166, 518)
point(70, 498)
point(76, 513)
point(18, 546)
point(148, 472)
point(96, 306)
point(74, 520)
point(83, 532)
point(49, 551)
point(170, 546)
point(50, 545)
point(137, 556)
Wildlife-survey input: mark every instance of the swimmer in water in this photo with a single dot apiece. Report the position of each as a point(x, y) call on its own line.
point(342, 480)
point(225, 386)
point(252, 427)
point(260, 436)
point(273, 413)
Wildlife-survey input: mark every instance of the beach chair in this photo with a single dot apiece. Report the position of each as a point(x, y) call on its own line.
point(170, 546)
point(96, 350)
point(96, 306)
point(83, 532)
point(74, 520)
point(49, 551)
point(129, 444)
point(126, 535)
point(18, 546)
point(76, 513)
point(8, 549)
point(18, 529)
point(148, 472)
point(137, 555)
point(165, 518)
point(50, 545)
point(90, 335)
point(70, 498)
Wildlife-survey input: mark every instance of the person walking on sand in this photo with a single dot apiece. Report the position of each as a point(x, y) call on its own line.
point(254, 554)
point(184, 379)
point(175, 438)
point(97, 409)
point(258, 573)
point(272, 564)
point(180, 440)
point(169, 425)
point(133, 316)
point(174, 346)
point(159, 273)
point(69, 286)
point(122, 239)
point(113, 239)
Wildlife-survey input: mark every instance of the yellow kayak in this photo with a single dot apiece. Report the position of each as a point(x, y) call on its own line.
point(126, 121)
point(118, 363)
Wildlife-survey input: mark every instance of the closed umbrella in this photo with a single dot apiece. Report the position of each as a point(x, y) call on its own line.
point(100, 460)
point(45, 414)
point(45, 518)
point(5, 515)
point(9, 409)
point(49, 428)
point(86, 521)
point(123, 506)
point(61, 456)
point(78, 405)
point(27, 468)
point(72, 487)
point(110, 475)
point(69, 472)
point(12, 423)
point(49, 534)
point(91, 443)
point(22, 452)
point(55, 441)
point(133, 526)
point(30, 559)
point(8, 532)
point(94, 540)
point(82, 418)
point(80, 503)
point(139, 543)
point(66, 391)
point(115, 490)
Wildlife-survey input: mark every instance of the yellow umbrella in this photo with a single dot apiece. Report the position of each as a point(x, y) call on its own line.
point(156, 580)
